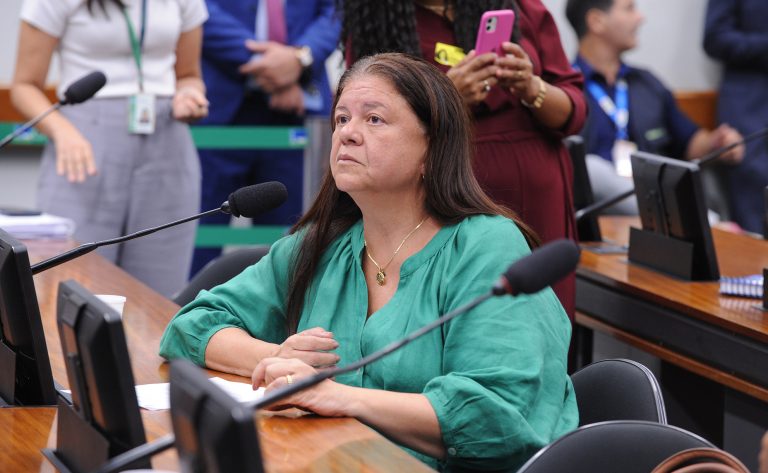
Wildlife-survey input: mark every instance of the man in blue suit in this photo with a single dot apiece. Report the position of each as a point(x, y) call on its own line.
point(735, 33)
point(252, 79)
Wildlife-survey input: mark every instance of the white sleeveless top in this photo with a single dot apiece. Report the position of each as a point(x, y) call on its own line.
point(101, 42)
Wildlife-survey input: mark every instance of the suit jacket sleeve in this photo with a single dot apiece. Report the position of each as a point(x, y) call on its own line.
point(224, 39)
point(724, 40)
point(322, 35)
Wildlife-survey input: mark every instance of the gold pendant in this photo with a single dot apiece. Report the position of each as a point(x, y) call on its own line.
point(381, 277)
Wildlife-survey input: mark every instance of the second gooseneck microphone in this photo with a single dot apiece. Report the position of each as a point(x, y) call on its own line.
point(245, 202)
point(78, 92)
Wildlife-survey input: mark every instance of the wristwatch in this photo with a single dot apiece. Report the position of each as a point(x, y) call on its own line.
point(304, 55)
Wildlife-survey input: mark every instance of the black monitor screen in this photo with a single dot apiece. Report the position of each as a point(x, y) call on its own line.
point(587, 227)
point(214, 433)
point(671, 203)
point(98, 367)
point(25, 370)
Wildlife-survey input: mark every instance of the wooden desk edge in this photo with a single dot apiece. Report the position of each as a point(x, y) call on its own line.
point(677, 359)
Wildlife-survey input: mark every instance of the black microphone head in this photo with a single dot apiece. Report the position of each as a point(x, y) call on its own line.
point(254, 200)
point(84, 88)
point(544, 267)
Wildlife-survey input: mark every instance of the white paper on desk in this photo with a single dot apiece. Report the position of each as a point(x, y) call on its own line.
point(37, 226)
point(157, 396)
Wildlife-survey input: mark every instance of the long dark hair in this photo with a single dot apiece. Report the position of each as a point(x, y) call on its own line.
point(370, 27)
point(451, 190)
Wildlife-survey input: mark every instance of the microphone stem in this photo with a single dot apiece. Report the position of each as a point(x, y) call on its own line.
point(323, 375)
point(88, 247)
point(712, 155)
point(25, 127)
point(155, 229)
point(598, 206)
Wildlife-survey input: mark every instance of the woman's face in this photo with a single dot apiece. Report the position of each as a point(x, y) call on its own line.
point(378, 145)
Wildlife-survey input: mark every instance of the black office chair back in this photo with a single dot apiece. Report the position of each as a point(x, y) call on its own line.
point(609, 447)
point(618, 389)
point(219, 271)
point(588, 229)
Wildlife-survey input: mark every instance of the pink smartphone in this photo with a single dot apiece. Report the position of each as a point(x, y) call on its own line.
point(495, 28)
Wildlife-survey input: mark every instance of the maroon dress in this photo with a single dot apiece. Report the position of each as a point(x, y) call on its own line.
point(520, 163)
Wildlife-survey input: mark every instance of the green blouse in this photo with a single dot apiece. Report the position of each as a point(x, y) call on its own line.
point(495, 376)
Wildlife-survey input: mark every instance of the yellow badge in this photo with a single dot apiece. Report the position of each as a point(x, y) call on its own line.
point(448, 55)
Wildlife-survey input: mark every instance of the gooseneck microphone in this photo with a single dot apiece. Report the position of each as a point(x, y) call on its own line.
point(543, 267)
point(245, 202)
point(78, 92)
point(704, 160)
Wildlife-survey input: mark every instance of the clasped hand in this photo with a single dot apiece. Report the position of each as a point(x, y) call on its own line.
point(475, 75)
point(299, 356)
point(276, 66)
point(189, 104)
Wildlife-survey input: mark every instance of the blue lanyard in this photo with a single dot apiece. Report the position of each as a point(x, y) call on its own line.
point(618, 111)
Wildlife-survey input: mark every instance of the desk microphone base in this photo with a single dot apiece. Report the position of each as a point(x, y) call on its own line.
point(662, 253)
point(80, 448)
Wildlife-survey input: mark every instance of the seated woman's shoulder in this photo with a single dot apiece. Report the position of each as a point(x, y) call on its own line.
point(487, 228)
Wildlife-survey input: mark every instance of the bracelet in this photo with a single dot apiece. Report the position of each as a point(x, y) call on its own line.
point(539, 100)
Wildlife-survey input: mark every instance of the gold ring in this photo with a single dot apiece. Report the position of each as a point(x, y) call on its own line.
point(519, 74)
point(288, 379)
point(486, 86)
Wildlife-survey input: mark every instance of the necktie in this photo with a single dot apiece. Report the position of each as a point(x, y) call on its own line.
point(276, 21)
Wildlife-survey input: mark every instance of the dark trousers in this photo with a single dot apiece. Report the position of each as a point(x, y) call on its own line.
point(226, 170)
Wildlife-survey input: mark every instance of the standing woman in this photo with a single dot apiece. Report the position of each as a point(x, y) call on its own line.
point(523, 104)
point(125, 160)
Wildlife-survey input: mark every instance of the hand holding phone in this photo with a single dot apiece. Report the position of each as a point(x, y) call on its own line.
point(495, 28)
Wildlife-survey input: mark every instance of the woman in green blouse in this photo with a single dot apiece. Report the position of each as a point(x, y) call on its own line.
point(400, 234)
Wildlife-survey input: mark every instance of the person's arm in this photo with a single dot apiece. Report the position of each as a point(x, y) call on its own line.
point(236, 324)
point(74, 156)
point(406, 418)
point(704, 141)
point(233, 350)
point(278, 66)
point(322, 34)
point(566, 112)
point(724, 40)
point(516, 71)
point(688, 140)
point(189, 102)
point(224, 39)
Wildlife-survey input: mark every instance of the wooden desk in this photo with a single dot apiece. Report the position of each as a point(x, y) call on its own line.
point(717, 345)
point(305, 444)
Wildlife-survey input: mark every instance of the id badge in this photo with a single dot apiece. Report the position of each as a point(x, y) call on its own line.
point(622, 151)
point(141, 114)
point(448, 55)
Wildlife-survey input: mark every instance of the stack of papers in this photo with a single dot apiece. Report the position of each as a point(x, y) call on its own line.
point(157, 396)
point(37, 226)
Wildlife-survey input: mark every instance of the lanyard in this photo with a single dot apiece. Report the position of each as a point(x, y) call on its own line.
point(137, 44)
point(618, 111)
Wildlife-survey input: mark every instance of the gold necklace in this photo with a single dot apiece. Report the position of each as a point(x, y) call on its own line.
point(381, 276)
